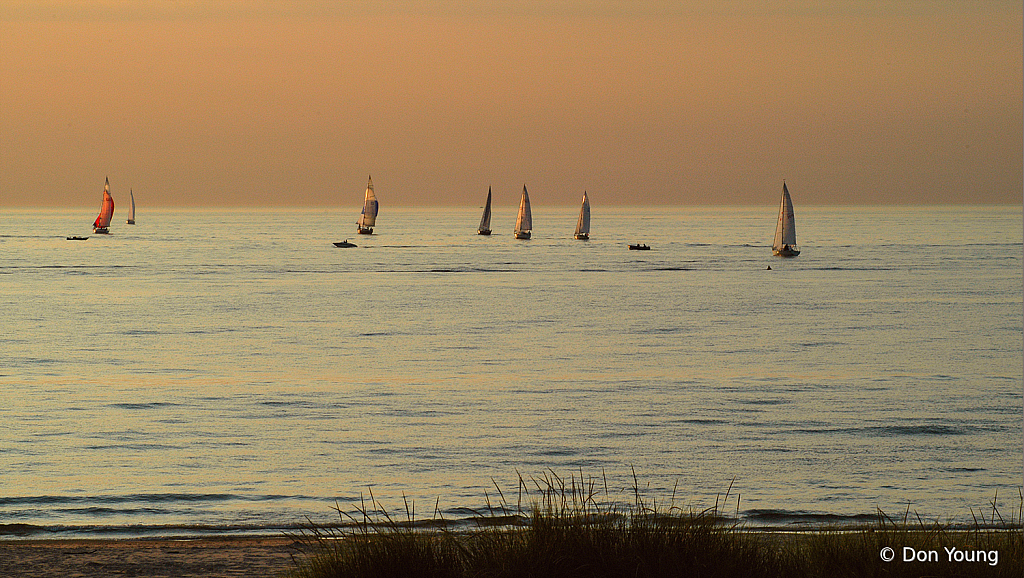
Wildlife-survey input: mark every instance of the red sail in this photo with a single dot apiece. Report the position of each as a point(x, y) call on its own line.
point(106, 208)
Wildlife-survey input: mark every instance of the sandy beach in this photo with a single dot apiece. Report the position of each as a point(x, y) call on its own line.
point(205, 557)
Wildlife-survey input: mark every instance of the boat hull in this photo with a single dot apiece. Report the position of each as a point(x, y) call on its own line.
point(786, 252)
point(101, 230)
point(582, 236)
point(522, 234)
point(484, 232)
point(365, 230)
point(344, 244)
point(640, 247)
point(130, 222)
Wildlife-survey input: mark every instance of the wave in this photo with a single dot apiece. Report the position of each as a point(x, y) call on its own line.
point(902, 430)
point(142, 406)
point(452, 518)
point(70, 531)
point(864, 268)
point(926, 429)
point(789, 518)
point(144, 498)
point(133, 446)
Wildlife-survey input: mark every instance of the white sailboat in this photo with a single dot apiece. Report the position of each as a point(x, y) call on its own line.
point(524, 221)
point(131, 208)
point(785, 232)
point(485, 219)
point(583, 223)
point(369, 215)
point(102, 222)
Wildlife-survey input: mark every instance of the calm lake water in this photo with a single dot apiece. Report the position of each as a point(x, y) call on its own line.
point(234, 371)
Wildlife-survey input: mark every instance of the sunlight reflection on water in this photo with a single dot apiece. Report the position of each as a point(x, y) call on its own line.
point(206, 354)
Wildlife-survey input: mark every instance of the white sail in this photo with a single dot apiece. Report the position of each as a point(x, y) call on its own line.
point(369, 215)
point(785, 230)
point(131, 208)
point(583, 223)
point(524, 221)
point(485, 219)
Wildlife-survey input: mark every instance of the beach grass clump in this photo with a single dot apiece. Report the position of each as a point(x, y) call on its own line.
point(375, 544)
point(567, 531)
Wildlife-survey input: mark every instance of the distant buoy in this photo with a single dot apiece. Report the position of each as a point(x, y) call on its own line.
point(769, 267)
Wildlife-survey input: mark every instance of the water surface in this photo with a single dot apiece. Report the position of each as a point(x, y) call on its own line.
point(234, 371)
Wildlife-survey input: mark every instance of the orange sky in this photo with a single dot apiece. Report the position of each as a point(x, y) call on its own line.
point(278, 102)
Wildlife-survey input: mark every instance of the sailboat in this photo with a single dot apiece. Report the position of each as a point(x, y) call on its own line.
point(524, 221)
point(583, 223)
point(485, 219)
point(369, 214)
point(102, 222)
point(131, 209)
point(785, 231)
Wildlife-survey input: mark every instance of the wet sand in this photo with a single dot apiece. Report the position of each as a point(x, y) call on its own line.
point(205, 557)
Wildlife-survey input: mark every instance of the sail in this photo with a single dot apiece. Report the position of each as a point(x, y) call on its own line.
point(369, 214)
point(785, 231)
point(485, 219)
point(131, 208)
point(106, 208)
point(583, 223)
point(524, 222)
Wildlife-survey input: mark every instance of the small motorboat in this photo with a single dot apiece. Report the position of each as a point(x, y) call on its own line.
point(344, 243)
point(77, 238)
point(639, 247)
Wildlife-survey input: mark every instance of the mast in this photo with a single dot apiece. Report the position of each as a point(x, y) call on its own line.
point(777, 243)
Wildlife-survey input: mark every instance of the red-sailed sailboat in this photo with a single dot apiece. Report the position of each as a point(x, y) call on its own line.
point(99, 226)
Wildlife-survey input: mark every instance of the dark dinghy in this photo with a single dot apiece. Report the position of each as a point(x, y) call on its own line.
point(639, 247)
point(344, 243)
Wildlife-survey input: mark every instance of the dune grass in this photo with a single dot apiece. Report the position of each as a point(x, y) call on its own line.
point(566, 532)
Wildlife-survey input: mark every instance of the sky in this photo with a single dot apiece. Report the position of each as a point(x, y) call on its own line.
point(639, 102)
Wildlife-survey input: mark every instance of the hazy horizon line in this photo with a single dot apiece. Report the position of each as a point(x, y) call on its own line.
point(355, 208)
